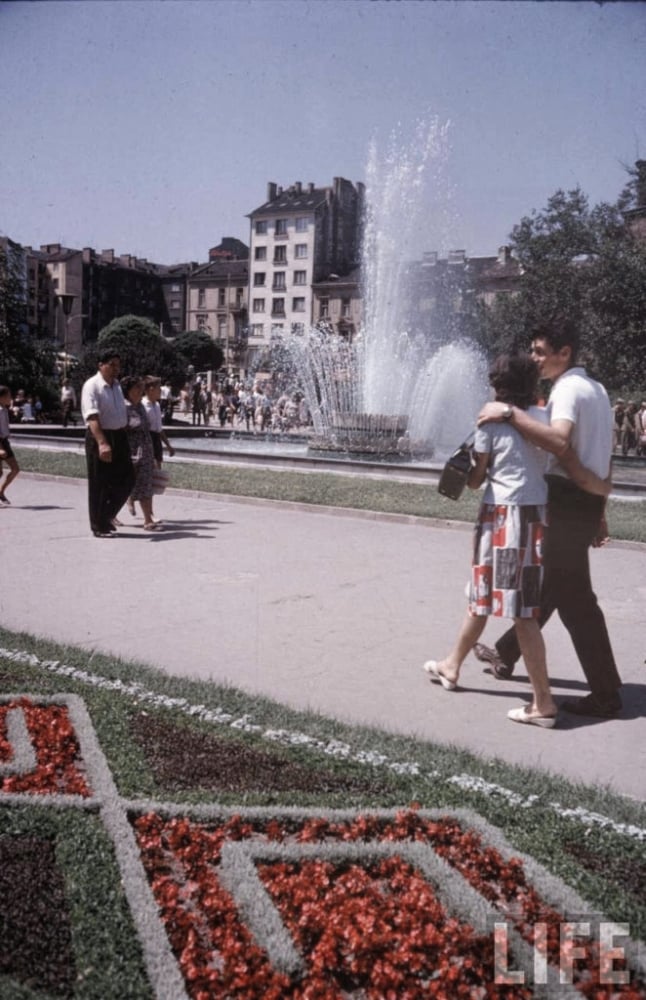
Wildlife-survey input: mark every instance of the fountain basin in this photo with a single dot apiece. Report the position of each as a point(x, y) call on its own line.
point(378, 434)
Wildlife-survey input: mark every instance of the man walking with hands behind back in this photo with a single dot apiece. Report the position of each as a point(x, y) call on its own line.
point(109, 468)
point(580, 417)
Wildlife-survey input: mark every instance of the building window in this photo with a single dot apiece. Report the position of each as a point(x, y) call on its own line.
point(301, 225)
point(259, 305)
point(201, 298)
point(278, 307)
point(239, 297)
point(175, 288)
point(261, 226)
point(222, 293)
point(260, 253)
point(300, 251)
point(202, 321)
point(279, 281)
point(298, 329)
point(257, 329)
point(259, 279)
point(345, 308)
point(324, 309)
point(222, 329)
point(300, 277)
point(281, 227)
point(175, 304)
point(298, 305)
point(280, 255)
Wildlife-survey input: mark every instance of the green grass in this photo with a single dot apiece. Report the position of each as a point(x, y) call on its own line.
point(538, 827)
point(626, 521)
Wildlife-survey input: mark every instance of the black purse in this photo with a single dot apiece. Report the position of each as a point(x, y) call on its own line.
point(456, 472)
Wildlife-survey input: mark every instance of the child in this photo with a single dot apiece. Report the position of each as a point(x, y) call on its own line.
point(507, 564)
point(6, 451)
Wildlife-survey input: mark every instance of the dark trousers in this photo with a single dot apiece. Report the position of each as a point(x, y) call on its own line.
point(573, 522)
point(109, 483)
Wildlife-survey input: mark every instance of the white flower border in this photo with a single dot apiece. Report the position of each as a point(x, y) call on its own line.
point(331, 748)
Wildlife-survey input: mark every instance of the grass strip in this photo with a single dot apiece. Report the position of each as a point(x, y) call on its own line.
point(626, 521)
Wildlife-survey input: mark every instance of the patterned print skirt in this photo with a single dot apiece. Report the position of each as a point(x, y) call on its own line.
point(507, 569)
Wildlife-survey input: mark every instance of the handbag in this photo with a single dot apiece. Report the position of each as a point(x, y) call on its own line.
point(456, 471)
point(160, 481)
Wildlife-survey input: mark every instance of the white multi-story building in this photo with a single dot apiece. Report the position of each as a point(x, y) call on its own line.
point(299, 236)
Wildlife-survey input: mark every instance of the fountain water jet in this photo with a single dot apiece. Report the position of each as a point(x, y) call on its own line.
point(390, 391)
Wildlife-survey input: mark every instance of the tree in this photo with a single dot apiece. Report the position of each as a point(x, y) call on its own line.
point(586, 264)
point(199, 350)
point(142, 349)
point(24, 363)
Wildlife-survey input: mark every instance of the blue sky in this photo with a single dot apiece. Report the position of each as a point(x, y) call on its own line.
point(153, 127)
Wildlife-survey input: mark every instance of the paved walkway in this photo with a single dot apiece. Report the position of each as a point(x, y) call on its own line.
point(318, 609)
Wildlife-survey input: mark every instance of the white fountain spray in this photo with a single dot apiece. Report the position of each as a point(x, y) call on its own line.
point(391, 390)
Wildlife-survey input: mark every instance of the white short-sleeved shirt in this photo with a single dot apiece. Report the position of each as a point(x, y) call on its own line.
point(99, 398)
point(153, 412)
point(517, 467)
point(578, 398)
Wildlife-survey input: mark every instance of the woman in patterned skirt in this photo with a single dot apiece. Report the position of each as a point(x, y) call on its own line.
point(507, 568)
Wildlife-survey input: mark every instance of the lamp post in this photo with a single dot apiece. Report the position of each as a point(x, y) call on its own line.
point(67, 301)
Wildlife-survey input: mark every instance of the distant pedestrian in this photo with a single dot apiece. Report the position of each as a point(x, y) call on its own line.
point(6, 451)
point(68, 401)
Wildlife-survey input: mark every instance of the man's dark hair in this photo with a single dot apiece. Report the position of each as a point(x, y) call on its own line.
point(107, 355)
point(559, 332)
point(514, 378)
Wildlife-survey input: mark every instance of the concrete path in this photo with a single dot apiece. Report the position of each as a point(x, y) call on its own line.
point(317, 609)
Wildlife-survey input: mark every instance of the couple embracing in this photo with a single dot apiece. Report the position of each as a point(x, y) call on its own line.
point(548, 477)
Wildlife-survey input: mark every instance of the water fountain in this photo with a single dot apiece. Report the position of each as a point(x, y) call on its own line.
point(392, 391)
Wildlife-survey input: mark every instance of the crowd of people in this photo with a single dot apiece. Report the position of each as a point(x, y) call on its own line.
point(236, 406)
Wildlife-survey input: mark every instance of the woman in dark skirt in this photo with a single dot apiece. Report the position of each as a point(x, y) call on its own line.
point(141, 450)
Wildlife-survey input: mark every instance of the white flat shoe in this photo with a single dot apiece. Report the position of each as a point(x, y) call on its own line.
point(521, 715)
point(434, 674)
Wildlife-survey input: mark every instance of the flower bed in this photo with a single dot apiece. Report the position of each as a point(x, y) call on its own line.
point(372, 928)
point(57, 760)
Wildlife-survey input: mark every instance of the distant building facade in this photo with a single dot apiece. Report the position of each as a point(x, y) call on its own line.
point(217, 304)
point(299, 236)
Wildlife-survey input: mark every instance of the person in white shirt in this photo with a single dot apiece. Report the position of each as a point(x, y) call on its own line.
point(109, 468)
point(581, 420)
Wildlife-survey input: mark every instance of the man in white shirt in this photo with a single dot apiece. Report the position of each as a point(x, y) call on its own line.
point(109, 468)
point(580, 417)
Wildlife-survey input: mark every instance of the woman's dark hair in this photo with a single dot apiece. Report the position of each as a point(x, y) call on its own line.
point(128, 382)
point(514, 377)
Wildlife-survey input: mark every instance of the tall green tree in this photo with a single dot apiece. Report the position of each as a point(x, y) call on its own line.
point(584, 263)
point(24, 363)
point(142, 349)
point(199, 350)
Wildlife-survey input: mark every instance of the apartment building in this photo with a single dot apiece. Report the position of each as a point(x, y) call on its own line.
point(299, 236)
point(216, 302)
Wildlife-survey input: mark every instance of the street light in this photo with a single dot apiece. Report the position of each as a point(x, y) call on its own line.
point(67, 301)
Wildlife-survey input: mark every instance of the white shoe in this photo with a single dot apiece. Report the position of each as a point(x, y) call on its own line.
point(434, 674)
